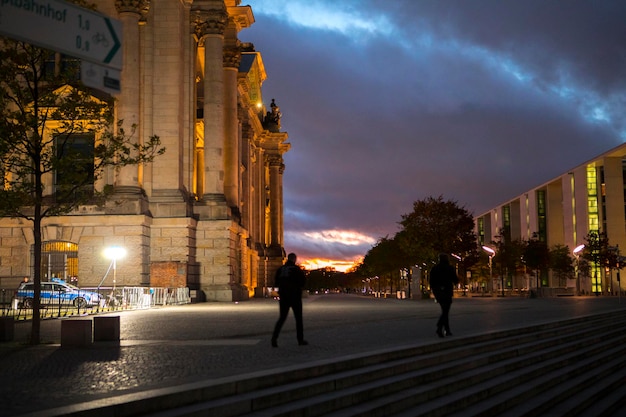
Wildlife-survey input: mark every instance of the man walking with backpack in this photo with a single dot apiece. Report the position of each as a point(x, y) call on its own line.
point(290, 281)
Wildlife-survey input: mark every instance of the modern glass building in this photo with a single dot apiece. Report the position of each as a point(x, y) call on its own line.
point(563, 211)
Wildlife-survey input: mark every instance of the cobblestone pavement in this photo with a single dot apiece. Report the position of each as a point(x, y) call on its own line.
point(169, 346)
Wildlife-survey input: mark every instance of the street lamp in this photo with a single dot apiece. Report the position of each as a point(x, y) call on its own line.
point(491, 253)
point(114, 253)
point(576, 252)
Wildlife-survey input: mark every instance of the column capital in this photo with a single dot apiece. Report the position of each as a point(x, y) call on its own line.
point(138, 7)
point(274, 160)
point(232, 56)
point(209, 22)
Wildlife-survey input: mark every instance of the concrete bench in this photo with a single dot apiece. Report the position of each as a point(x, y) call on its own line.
point(7, 329)
point(106, 328)
point(77, 332)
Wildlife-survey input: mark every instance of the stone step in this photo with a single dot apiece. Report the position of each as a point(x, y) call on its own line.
point(423, 380)
point(459, 391)
point(582, 388)
point(534, 390)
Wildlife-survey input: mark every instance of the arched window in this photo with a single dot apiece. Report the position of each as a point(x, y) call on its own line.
point(59, 259)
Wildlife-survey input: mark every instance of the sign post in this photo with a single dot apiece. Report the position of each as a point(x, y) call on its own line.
point(64, 27)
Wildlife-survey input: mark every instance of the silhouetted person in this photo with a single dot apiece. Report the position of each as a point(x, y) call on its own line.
point(443, 278)
point(290, 281)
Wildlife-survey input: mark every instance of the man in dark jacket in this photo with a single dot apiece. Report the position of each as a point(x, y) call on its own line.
point(443, 278)
point(290, 281)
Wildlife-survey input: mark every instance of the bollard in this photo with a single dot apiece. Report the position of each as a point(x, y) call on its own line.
point(7, 329)
point(76, 333)
point(106, 328)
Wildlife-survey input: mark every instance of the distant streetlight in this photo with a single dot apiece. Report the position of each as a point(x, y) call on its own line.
point(491, 253)
point(114, 253)
point(576, 252)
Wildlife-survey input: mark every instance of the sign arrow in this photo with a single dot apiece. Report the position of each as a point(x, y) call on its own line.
point(116, 44)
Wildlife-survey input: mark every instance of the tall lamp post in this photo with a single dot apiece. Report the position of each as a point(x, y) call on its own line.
point(620, 262)
point(576, 252)
point(491, 253)
point(114, 253)
point(618, 266)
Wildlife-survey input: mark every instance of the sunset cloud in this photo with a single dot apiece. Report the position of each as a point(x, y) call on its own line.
point(389, 102)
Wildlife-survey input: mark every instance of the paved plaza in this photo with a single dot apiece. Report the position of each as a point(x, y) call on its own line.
point(170, 346)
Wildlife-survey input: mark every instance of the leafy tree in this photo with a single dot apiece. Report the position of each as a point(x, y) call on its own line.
point(508, 257)
point(598, 253)
point(439, 226)
point(350, 280)
point(435, 226)
point(384, 260)
point(326, 278)
point(480, 270)
point(536, 256)
point(561, 263)
point(45, 117)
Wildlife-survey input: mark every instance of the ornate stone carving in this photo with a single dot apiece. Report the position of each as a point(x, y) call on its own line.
point(272, 119)
point(232, 57)
point(209, 22)
point(241, 17)
point(274, 160)
point(132, 6)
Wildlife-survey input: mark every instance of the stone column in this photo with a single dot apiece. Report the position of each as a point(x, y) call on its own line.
point(127, 181)
point(246, 183)
point(209, 27)
point(276, 169)
point(260, 195)
point(232, 57)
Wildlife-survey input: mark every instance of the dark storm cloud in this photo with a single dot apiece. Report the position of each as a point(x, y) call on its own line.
point(388, 102)
point(584, 37)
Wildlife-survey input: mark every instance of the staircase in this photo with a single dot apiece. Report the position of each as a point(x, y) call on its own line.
point(568, 368)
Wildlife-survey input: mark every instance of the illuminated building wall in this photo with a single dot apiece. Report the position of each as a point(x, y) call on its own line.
point(589, 197)
point(213, 202)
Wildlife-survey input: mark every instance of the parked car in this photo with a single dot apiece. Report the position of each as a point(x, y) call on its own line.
point(56, 293)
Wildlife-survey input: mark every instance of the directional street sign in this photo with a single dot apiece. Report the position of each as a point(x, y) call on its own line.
point(99, 77)
point(64, 27)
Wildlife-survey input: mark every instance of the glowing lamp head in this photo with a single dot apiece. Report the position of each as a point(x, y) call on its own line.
point(578, 249)
point(490, 251)
point(114, 252)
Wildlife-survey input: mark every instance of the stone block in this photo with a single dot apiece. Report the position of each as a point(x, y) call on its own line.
point(7, 329)
point(106, 328)
point(76, 333)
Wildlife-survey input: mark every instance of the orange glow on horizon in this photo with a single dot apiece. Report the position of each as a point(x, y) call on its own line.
point(338, 265)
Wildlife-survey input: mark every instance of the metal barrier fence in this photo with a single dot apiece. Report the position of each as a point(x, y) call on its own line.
point(110, 299)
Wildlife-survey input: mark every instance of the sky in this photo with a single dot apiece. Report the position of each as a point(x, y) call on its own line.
point(388, 102)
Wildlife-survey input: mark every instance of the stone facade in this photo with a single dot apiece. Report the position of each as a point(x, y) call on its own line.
point(213, 201)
